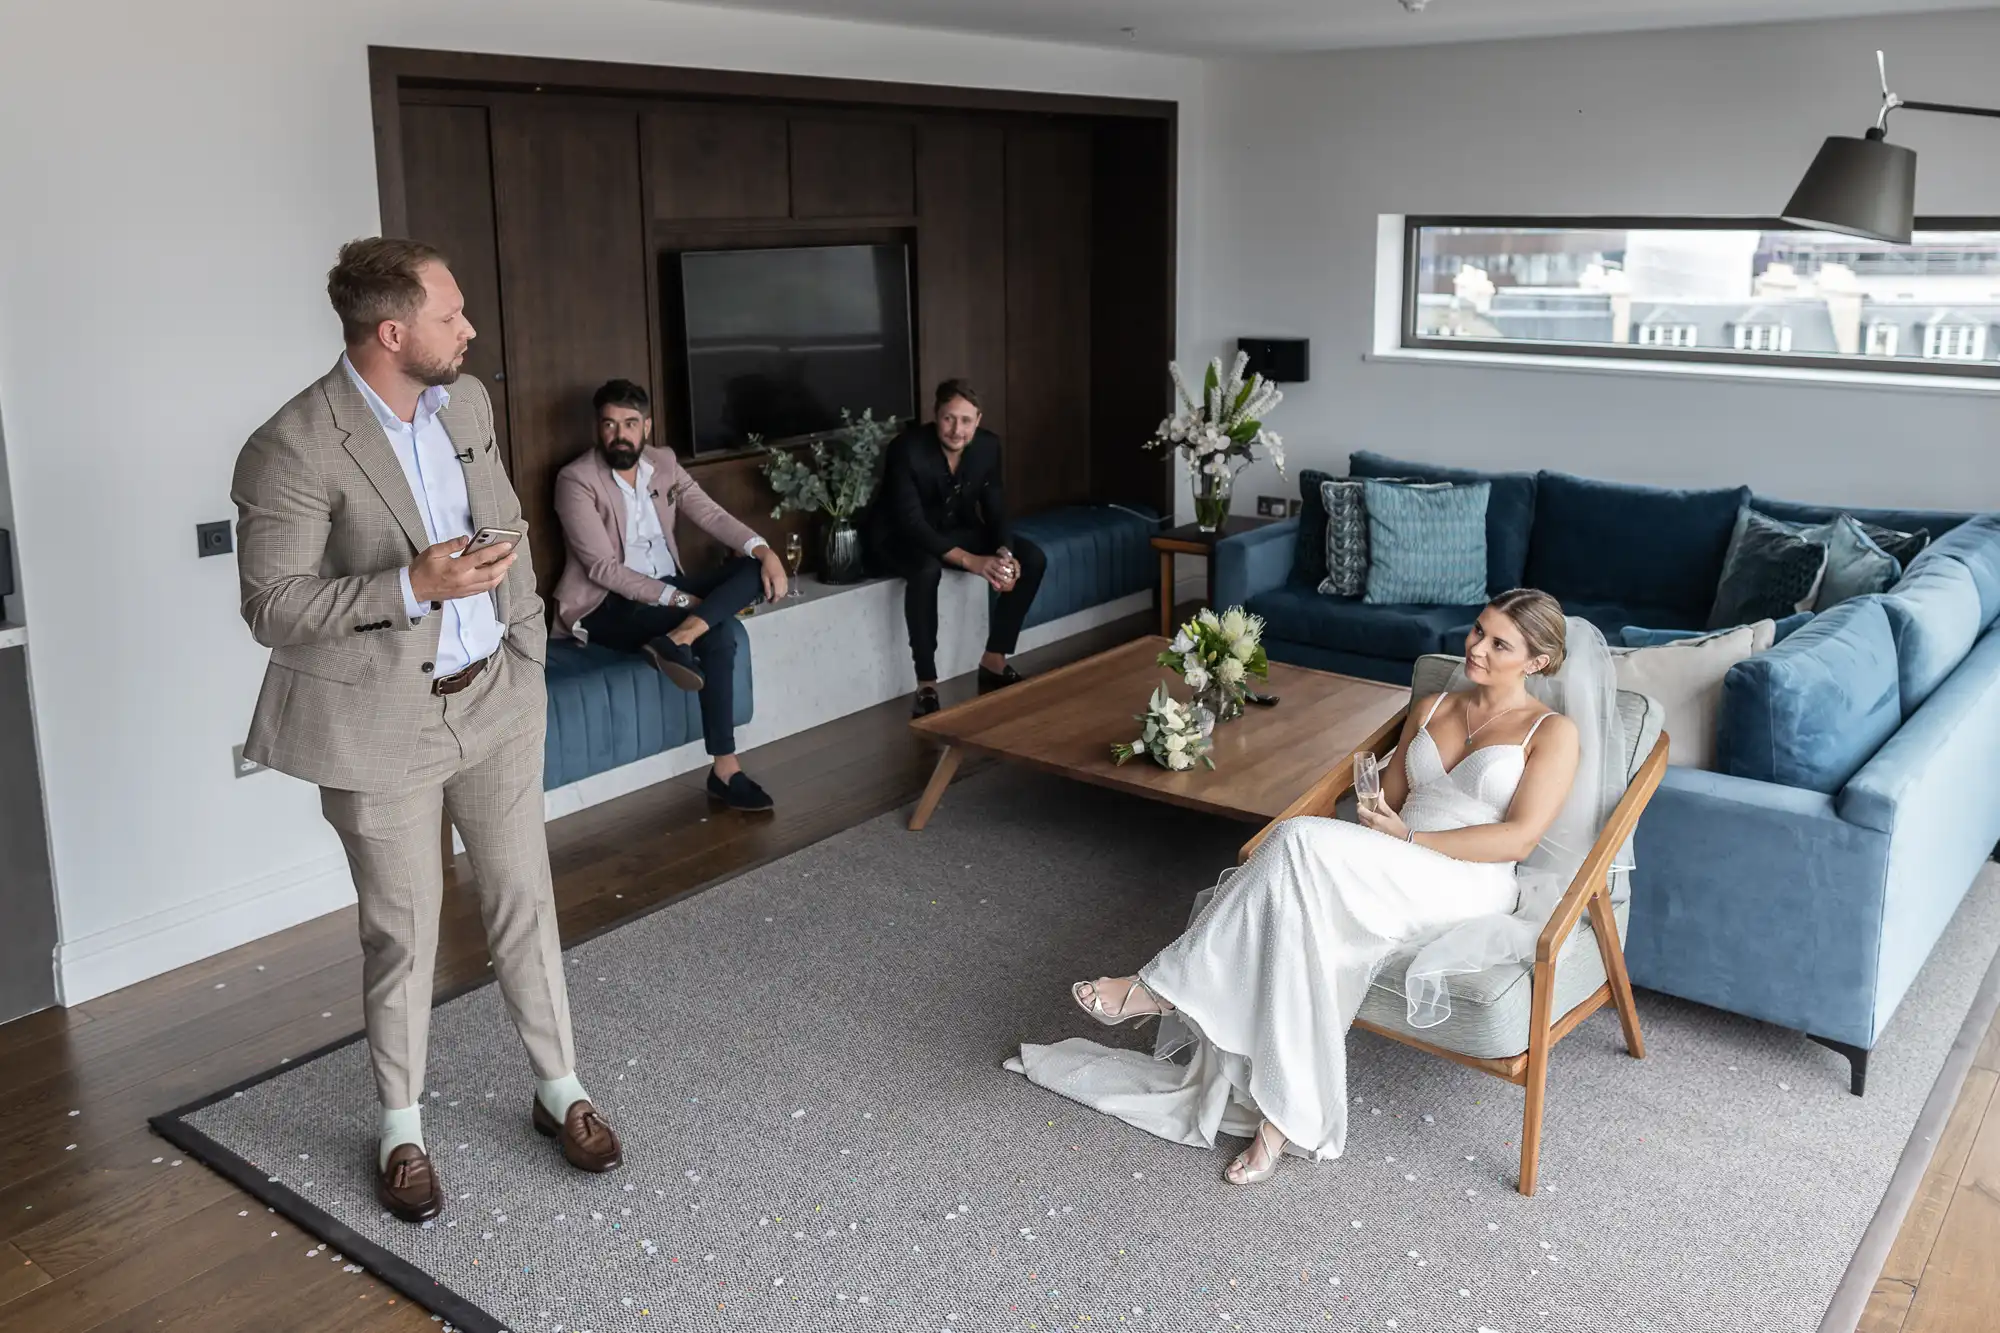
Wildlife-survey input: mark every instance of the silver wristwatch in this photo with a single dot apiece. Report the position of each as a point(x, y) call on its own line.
point(680, 601)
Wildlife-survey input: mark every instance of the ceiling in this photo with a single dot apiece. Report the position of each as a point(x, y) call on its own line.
point(1246, 27)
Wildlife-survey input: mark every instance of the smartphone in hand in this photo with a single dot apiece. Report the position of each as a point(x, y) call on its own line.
point(486, 537)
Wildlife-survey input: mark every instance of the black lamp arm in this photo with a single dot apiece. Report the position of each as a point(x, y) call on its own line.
point(1891, 102)
point(1948, 109)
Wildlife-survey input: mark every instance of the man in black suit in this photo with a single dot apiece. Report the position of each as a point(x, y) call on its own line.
point(942, 506)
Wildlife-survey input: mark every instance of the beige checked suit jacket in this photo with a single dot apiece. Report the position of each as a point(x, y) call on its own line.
point(326, 521)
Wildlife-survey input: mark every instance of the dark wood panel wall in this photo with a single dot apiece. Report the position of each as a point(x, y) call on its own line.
point(573, 277)
point(1040, 229)
point(1049, 373)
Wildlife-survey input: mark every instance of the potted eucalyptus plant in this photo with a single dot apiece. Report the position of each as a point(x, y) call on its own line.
point(835, 478)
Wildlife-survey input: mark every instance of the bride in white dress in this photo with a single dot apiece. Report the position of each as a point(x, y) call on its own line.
point(1266, 981)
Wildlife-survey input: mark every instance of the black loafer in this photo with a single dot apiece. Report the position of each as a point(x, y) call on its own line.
point(926, 702)
point(739, 793)
point(676, 663)
point(1001, 679)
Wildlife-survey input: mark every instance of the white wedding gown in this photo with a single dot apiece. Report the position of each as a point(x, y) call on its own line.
point(1269, 976)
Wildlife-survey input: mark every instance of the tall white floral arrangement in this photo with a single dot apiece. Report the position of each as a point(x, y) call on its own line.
point(1224, 428)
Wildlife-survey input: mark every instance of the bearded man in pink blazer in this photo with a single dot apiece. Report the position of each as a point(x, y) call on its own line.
point(625, 586)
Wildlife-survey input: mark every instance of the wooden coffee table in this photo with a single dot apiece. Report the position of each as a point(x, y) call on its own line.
point(1066, 720)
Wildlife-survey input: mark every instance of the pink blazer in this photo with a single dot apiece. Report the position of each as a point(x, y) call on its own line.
point(592, 510)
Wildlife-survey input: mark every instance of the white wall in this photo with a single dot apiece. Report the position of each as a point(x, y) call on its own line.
point(178, 177)
point(1306, 152)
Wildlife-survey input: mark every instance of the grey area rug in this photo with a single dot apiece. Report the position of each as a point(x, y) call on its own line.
point(805, 1064)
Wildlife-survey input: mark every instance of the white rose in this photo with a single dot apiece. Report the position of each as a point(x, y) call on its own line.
point(1234, 622)
point(1197, 678)
point(1243, 649)
point(1180, 761)
point(1231, 671)
point(1176, 743)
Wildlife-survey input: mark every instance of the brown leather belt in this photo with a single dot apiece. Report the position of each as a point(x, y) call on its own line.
point(458, 680)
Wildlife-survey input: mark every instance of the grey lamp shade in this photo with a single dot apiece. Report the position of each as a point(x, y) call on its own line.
point(1859, 187)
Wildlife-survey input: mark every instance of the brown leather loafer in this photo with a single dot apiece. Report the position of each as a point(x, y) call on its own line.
point(407, 1186)
point(587, 1142)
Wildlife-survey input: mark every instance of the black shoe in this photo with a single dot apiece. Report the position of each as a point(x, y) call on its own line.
point(998, 680)
point(739, 793)
point(926, 702)
point(676, 663)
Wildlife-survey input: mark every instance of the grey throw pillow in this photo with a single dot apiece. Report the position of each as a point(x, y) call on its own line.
point(1771, 572)
point(1346, 539)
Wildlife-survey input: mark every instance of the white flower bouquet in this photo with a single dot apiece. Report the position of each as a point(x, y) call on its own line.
point(1173, 735)
point(1220, 432)
point(1216, 655)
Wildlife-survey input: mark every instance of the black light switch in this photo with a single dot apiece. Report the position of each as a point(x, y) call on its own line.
point(213, 539)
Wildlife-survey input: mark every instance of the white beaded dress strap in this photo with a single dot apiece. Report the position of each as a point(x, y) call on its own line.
point(1537, 727)
point(1433, 713)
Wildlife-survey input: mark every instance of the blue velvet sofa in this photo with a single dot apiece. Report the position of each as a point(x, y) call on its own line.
point(607, 709)
point(1805, 883)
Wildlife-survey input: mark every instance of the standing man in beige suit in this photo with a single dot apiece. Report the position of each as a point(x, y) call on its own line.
point(406, 680)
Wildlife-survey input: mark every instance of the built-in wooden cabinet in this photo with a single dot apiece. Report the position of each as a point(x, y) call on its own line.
point(853, 168)
point(712, 162)
point(1040, 232)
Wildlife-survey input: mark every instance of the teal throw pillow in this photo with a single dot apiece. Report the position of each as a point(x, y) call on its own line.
point(1771, 572)
point(1855, 565)
point(1426, 543)
point(1635, 636)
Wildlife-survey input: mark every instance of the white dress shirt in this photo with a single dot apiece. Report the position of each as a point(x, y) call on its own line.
point(646, 549)
point(472, 629)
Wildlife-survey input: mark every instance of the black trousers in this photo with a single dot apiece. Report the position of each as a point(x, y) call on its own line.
point(629, 626)
point(923, 572)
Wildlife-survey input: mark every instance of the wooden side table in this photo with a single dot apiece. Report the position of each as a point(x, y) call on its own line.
point(1189, 539)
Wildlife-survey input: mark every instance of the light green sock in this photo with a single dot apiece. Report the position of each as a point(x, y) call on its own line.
point(399, 1127)
point(557, 1095)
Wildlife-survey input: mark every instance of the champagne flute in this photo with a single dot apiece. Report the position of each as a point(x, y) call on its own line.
point(1367, 779)
point(795, 555)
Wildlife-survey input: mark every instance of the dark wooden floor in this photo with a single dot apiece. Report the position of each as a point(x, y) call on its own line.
point(119, 1234)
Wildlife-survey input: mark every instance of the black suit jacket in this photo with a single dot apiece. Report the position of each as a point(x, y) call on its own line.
point(924, 501)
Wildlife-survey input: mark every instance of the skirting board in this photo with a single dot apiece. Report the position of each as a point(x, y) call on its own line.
point(817, 658)
point(135, 950)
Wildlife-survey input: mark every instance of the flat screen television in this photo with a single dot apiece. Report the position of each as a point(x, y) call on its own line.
point(779, 341)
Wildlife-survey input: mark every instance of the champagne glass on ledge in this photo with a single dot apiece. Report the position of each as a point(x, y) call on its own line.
point(795, 555)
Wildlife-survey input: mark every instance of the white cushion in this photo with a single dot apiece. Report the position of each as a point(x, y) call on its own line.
point(1686, 678)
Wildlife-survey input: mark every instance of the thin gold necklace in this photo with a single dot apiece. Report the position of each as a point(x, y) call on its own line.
point(1490, 721)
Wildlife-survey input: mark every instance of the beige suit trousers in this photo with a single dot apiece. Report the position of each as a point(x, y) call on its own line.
point(480, 758)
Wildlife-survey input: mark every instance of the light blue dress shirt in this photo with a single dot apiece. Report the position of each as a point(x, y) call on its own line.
point(472, 629)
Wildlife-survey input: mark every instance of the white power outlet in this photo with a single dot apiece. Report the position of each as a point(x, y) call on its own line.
point(244, 767)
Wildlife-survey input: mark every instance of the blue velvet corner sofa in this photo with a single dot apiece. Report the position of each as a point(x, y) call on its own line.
point(1857, 795)
point(607, 709)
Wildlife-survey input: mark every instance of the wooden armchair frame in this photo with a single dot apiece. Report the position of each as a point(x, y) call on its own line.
point(1589, 891)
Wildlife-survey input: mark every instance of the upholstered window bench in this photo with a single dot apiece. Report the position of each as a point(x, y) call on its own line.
point(616, 725)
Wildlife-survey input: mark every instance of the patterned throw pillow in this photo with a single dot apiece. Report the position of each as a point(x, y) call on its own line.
point(1346, 539)
point(1771, 572)
point(1904, 546)
point(1426, 543)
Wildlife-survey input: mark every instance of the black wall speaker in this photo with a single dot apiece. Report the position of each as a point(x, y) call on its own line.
point(1280, 360)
